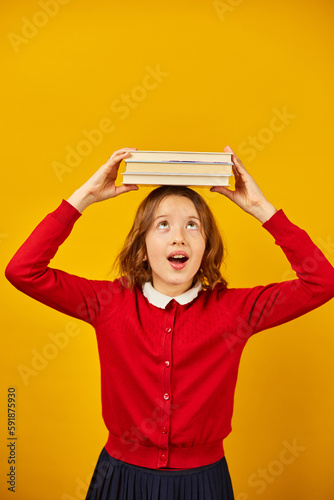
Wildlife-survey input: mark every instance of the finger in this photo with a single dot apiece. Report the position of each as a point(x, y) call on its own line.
point(236, 160)
point(235, 172)
point(239, 177)
point(122, 151)
point(124, 188)
point(223, 190)
point(117, 156)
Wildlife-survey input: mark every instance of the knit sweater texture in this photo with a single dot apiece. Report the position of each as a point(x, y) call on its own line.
point(168, 375)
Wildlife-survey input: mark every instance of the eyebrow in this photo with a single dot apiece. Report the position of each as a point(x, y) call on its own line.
point(189, 217)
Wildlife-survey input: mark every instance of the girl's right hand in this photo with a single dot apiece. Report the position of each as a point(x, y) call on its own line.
point(101, 186)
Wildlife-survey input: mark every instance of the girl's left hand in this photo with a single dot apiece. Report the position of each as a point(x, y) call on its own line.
point(247, 194)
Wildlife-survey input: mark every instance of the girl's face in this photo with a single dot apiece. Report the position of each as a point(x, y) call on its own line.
point(176, 228)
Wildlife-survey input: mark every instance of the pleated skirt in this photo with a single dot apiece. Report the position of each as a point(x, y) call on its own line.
point(114, 479)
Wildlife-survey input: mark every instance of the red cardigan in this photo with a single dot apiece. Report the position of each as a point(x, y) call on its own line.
point(168, 376)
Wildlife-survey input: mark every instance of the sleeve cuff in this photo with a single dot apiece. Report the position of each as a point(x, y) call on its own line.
point(66, 213)
point(277, 224)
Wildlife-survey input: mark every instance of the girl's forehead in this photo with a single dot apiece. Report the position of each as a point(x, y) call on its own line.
point(175, 201)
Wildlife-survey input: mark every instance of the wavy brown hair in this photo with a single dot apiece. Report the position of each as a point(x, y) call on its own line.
point(132, 270)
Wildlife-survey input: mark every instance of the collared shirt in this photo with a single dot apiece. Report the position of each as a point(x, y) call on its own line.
point(168, 375)
point(161, 300)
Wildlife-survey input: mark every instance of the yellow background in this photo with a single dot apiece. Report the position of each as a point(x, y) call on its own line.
point(228, 68)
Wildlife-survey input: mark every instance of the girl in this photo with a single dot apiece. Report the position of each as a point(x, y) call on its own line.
point(170, 332)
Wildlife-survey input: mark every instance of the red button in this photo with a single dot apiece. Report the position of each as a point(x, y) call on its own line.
point(168, 329)
point(166, 395)
point(167, 363)
point(163, 458)
point(164, 430)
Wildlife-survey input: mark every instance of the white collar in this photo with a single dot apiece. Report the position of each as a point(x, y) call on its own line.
point(161, 300)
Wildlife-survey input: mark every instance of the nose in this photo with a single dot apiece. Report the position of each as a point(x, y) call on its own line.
point(178, 237)
point(178, 241)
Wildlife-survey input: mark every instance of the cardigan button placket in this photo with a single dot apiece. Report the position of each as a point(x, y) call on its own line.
point(166, 356)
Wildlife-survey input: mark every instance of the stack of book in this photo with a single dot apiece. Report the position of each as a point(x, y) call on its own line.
point(178, 168)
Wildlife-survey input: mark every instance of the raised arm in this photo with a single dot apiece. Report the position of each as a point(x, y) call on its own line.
point(267, 306)
point(29, 270)
point(247, 194)
point(101, 186)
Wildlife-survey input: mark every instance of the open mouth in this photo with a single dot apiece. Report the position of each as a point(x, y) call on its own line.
point(178, 263)
point(178, 260)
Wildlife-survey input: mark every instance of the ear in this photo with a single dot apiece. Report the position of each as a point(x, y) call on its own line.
point(145, 258)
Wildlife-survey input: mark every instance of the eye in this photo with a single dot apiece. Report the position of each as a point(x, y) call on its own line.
point(194, 224)
point(163, 222)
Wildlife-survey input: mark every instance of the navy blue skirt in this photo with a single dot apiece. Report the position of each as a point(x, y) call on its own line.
point(114, 479)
